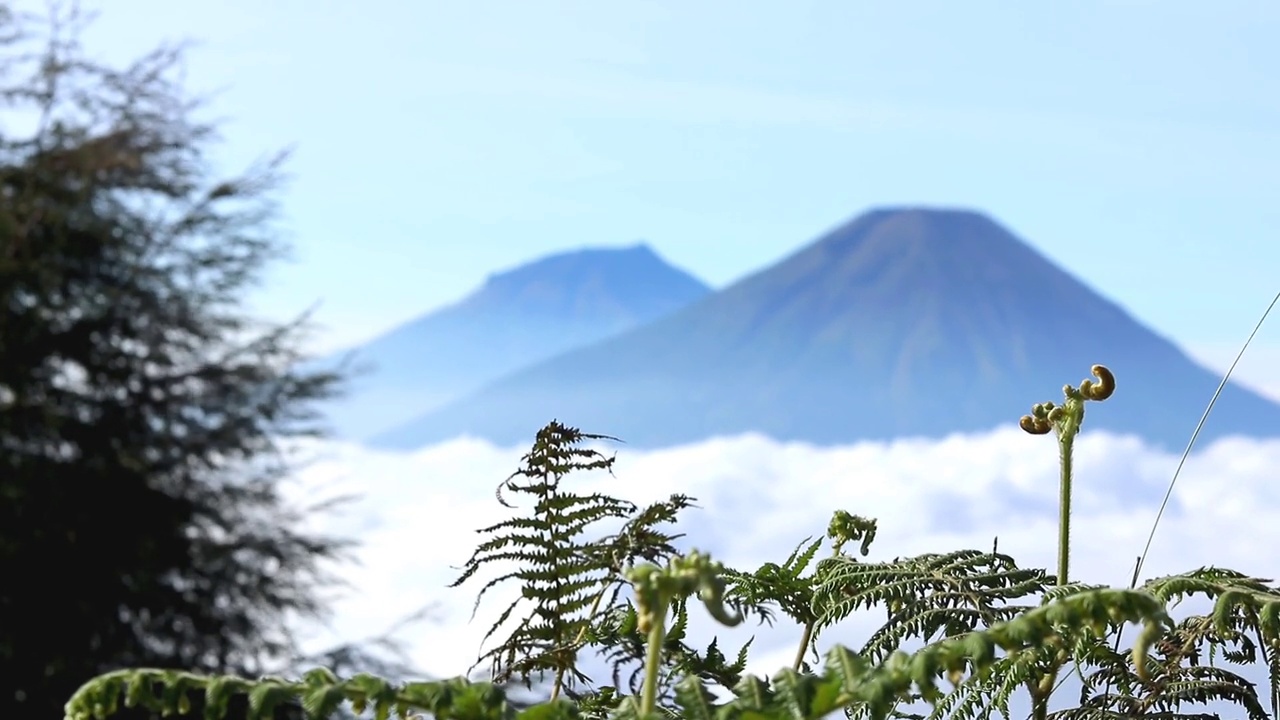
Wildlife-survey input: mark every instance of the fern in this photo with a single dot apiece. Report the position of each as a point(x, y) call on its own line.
point(787, 587)
point(1242, 630)
point(927, 596)
point(623, 647)
point(848, 681)
point(567, 577)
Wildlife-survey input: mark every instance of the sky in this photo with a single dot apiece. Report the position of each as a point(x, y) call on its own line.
point(1132, 142)
point(1136, 144)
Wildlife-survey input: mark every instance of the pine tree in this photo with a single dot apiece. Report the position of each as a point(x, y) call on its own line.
point(144, 416)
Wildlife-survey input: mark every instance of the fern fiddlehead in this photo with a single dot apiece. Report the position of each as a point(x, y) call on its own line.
point(1066, 419)
point(655, 590)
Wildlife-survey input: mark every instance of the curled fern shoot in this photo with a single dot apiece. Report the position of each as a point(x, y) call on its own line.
point(656, 588)
point(1066, 420)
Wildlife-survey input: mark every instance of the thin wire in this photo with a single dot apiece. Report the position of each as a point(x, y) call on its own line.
point(1142, 559)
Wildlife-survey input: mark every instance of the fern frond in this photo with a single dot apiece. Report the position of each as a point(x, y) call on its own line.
point(784, 586)
point(567, 578)
point(319, 691)
point(925, 596)
point(978, 697)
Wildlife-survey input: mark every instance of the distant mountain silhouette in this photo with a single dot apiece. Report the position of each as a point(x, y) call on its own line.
point(902, 322)
point(516, 319)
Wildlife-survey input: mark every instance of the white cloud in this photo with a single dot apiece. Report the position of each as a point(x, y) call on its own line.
point(758, 498)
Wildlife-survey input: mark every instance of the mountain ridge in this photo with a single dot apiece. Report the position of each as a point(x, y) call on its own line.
point(901, 321)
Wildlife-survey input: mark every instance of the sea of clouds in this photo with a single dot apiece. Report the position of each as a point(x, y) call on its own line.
point(417, 513)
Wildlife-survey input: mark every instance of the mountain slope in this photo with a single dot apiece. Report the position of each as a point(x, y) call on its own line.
point(901, 322)
point(516, 318)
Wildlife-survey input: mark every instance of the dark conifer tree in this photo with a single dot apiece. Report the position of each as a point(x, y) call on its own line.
point(145, 418)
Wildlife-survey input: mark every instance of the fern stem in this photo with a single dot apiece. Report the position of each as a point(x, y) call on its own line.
point(591, 615)
point(1064, 507)
point(577, 641)
point(1040, 699)
point(653, 662)
point(804, 646)
point(555, 689)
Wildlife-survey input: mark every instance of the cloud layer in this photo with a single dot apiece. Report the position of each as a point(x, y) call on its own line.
point(759, 498)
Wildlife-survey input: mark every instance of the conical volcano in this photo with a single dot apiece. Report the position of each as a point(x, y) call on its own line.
point(902, 322)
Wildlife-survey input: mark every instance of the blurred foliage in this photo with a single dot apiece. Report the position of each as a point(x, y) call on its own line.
point(143, 415)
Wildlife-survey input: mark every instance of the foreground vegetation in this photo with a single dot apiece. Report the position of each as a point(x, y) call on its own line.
point(990, 629)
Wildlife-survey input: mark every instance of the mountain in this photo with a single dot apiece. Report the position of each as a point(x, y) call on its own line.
point(516, 318)
point(902, 322)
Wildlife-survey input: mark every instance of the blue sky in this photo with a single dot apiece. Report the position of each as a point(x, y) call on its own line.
point(1135, 143)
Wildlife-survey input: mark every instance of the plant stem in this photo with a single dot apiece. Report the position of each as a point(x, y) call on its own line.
point(577, 641)
point(653, 661)
point(1064, 507)
point(804, 645)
